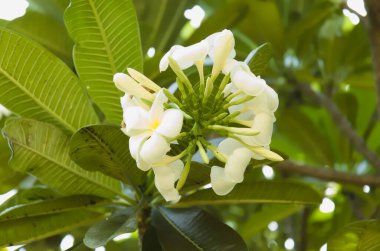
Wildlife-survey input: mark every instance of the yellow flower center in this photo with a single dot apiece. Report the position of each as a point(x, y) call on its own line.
point(154, 124)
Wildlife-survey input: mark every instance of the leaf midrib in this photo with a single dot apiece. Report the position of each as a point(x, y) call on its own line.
point(103, 35)
point(66, 168)
point(180, 231)
point(108, 151)
point(42, 105)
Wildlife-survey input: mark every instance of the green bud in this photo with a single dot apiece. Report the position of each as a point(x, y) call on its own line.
point(234, 130)
point(203, 153)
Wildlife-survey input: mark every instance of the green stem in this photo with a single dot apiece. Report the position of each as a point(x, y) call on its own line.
point(185, 172)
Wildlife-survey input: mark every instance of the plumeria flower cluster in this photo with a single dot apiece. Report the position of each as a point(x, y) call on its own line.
point(230, 101)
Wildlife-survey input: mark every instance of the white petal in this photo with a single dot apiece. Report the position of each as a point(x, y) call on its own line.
point(157, 109)
point(177, 168)
point(154, 149)
point(237, 163)
point(126, 84)
point(187, 56)
point(262, 122)
point(164, 63)
point(171, 123)
point(219, 182)
point(164, 178)
point(266, 102)
point(143, 80)
point(222, 48)
point(232, 66)
point(135, 144)
point(248, 83)
point(171, 195)
point(230, 88)
point(136, 120)
point(229, 145)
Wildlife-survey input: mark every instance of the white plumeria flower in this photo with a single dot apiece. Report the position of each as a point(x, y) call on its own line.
point(185, 56)
point(233, 65)
point(248, 83)
point(165, 178)
point(238, 157)
point(266, 102)
point(221, 49)
point(221, 184)
point(151, 130)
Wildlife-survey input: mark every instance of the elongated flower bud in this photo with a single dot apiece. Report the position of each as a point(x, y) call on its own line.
point(126, 84)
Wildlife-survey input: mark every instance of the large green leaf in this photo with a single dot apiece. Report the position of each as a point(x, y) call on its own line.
point(105, 148)
point(218, 20)
point(120, 222)
point(8, 178)
point(54, 8)
point(50, 207)
point(259, 58)
point(43, 151)
point(20, 231)
point(107, 41)
point(358, 236)
point(45, 30)
point(263, 24)
point(259, 220)
point(255, 192)
point(161, 21)
point(194, 229)
point(36, 84)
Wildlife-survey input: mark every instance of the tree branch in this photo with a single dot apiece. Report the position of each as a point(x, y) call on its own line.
point(327, 174)
point(343, 124)
point(373, 28)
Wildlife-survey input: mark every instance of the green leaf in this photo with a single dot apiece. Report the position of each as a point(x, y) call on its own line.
point(357, 236)
point(50, 207)
point(255, 192)
point(107, 41)
point(194, 229)
point(218, 20)
point(260, 220)
point(150, 240)
point(36, 84)
point(120, 222)
point(263, 24)
point(54, 8)
point(20, 231)
point(259, 58)
point(31, 195)
point(161, 21)
point(105, 148)
point(8, 178)
point(45, 30)
point(199, 175)
point(43, 151)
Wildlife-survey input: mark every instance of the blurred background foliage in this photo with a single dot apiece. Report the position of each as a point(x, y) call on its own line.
point(318, 43)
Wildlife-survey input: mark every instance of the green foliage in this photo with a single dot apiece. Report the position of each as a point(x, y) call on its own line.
point(107, 41)
point(46, 30)
point(255, 192)
point(38, 227)
point(103, 148)
point(259, 58)
point(120, 222)
point(42, 150)
point(194, 229)
point(358, 236)
point(35, 84)
point(75, 175)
